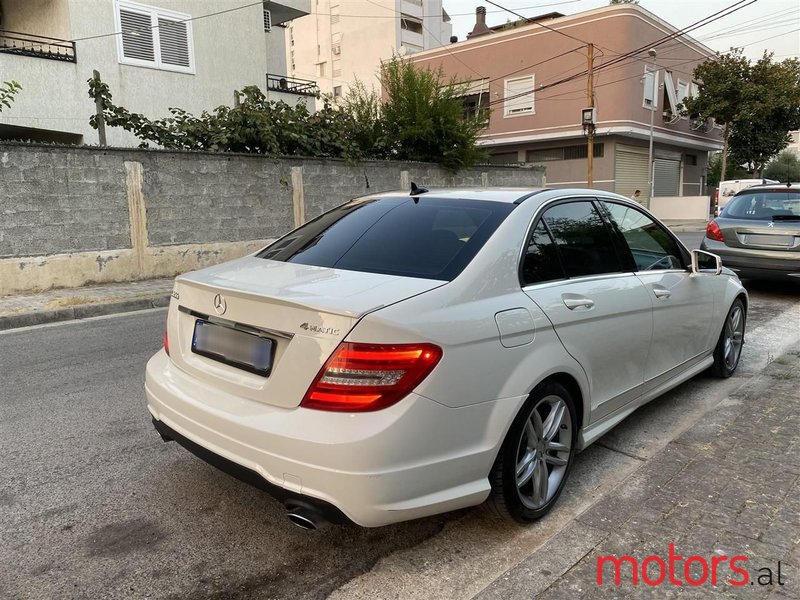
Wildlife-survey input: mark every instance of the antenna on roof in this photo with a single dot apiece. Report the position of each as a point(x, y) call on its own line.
point(416, 191)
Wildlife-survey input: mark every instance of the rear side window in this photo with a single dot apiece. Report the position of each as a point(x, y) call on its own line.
point(582, 239)
point(541, 262)
point(765, 206)
point(429, 238)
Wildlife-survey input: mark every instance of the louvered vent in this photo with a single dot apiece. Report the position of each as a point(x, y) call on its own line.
point(137, 36)
point(174, 43)
point(267, 20)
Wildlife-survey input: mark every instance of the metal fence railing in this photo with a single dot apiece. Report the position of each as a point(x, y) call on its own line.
point(37, 46)
point(290, 85)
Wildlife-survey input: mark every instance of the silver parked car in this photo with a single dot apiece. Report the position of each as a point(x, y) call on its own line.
point(758, 233)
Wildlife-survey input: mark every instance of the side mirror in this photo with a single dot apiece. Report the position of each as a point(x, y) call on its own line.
point(705, 262)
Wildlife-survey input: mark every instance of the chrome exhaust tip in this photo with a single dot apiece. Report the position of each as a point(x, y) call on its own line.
point(302, 521)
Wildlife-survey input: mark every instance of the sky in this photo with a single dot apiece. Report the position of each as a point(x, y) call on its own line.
point(772, 25)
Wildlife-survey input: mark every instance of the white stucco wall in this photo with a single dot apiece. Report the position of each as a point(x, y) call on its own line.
point(230, 52)
point(49, 18)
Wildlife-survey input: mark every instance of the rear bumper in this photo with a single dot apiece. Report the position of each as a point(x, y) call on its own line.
point(756, 263)
point(411, 460)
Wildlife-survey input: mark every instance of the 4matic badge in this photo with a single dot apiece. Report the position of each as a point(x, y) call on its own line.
point(318, 329)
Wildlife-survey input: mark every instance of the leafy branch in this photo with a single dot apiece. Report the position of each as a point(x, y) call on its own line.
point(8, 90)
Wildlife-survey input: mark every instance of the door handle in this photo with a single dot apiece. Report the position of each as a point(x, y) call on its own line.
point(577, 302)
point(661, 292)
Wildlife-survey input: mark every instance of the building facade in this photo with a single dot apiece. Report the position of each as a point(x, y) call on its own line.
point(534, 78)
point(346, 41)
point(153, 54)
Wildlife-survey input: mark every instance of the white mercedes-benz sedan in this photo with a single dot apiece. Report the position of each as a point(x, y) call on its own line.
point(406, 355)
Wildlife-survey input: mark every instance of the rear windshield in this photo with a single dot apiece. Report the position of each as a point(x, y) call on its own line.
point(765, 205)
point(429, 238)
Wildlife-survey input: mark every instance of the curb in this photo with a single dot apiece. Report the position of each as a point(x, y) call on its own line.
point(82, 311)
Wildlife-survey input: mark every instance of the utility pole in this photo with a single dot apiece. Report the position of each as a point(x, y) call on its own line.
point(98, 107)
point(590, 128)
point(650, 165)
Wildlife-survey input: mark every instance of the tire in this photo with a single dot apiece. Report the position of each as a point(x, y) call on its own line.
point(534, 447)
point(729, 346)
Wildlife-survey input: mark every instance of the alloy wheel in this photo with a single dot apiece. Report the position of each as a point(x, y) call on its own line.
point(543, 452)
point(734, 336)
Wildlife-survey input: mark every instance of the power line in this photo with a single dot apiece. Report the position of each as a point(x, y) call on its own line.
point(539, 23)
point(214, 14)
point(631, 54)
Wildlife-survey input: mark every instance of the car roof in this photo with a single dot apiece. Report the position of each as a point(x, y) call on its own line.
point(508, 195)
point(762, 187)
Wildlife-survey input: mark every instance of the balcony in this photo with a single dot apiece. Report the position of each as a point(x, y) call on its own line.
point(36, 46)
point(289, 85)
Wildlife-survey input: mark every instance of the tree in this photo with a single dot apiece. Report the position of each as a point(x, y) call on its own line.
point(784, 167)
point(757, 104)
point(624, 2)
point(770, 110)
point(721, 94)
point(715, 170)
point(8, 90)
point(424, 118)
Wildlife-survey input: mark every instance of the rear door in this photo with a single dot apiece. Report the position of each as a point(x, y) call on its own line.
point(601, 313)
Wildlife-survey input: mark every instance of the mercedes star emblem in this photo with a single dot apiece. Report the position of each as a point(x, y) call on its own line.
point(219, 304)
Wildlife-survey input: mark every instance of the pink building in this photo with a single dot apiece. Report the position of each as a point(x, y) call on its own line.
point(534, 78)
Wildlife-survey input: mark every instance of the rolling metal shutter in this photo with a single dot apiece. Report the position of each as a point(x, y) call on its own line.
point(630, 173)
point(666, 177)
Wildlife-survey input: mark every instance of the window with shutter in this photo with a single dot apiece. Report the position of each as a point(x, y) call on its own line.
point(153, 37)
point(267, 20)
point(519, 96)
point(137, 35)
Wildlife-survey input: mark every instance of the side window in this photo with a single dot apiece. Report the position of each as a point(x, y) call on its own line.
point(541, 262)
point(651, 246)
point(583, 240)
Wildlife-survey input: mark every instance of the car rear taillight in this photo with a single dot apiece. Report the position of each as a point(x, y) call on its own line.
point(366, 377)
point(713, 231)
point(166, 341)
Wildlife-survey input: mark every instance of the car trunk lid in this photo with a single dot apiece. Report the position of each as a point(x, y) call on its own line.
point(304, 311)
point(760, 234)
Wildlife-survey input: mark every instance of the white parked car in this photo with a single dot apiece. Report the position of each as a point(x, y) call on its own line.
point(402, 356)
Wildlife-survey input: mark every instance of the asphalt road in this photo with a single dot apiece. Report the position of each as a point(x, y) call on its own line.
point(94, 505)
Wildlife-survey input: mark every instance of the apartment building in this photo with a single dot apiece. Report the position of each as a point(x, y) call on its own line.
point(346, 40)
point(534, 79)
point(154, 54)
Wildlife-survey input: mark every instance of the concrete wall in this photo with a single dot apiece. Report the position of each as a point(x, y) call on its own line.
point(690, 208)
point(73, 216)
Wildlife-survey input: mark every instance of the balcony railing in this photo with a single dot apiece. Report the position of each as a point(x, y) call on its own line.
point(289, 85)
point(25, 44)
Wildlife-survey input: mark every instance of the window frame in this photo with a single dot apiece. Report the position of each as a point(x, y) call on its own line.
point(622, 252)
point(654, 71)
point(507, 109)
point(155, 14)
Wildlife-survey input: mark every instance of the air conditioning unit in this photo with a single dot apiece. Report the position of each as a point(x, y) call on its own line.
point(337, 49)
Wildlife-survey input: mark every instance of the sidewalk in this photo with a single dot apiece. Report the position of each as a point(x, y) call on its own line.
point(80, 303)
point(728, 487)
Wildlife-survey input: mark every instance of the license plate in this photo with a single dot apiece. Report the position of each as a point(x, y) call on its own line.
point(769, 240)
point(234, 347)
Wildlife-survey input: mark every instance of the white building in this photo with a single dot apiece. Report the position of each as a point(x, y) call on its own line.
point(344, 41)
point(794, 145)
point(154, 54)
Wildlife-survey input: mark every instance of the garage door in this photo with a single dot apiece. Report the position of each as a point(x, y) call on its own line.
point(630, 173)
point(666, 177)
